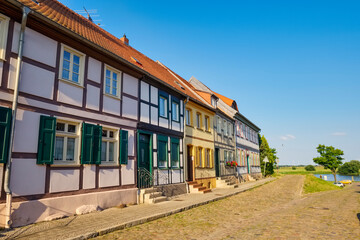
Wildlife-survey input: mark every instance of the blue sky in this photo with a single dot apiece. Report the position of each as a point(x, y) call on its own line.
point(293, 67)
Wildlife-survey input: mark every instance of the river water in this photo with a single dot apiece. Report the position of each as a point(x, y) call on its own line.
point(330, 177)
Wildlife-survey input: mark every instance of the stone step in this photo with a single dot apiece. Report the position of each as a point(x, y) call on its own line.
point(160, 199)
point(207, 190)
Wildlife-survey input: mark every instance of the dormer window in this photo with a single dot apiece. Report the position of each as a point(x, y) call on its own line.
point(213, 101)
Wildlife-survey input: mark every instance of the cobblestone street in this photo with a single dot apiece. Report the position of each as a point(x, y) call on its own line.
point(277, 210)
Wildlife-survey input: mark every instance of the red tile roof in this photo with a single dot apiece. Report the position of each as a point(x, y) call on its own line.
point(78, 24)
point(226, 100)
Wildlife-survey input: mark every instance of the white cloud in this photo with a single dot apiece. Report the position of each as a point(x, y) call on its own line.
point(287, 137)
point(339, 134)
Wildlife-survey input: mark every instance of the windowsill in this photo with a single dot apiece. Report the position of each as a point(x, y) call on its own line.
point(64, 164)
point(200, 129)
point(207, 131)
point(178, 121)
point(189, 126)
point(164, 117)
point(163, 168)
point(175, 168)
point(72, 83)
point(112, 96)
point(108, 164)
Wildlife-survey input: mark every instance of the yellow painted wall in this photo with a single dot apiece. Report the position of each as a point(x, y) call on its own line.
point(201, 138)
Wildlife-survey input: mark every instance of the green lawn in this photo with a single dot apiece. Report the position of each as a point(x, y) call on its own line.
point(301, 170)
point(313, 184)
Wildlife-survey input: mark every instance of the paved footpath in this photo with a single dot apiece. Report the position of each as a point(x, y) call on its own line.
point(109, 220)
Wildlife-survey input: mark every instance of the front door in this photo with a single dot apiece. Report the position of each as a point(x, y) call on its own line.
point(190, 164)
point(217, 162)
point(247, 162)
point(144, 164)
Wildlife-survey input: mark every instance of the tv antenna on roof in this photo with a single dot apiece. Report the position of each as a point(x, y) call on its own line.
point(90, 14)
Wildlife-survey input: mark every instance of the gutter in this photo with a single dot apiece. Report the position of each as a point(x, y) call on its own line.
point(25, 12)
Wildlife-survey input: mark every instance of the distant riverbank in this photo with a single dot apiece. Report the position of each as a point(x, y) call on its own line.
point(330, 177)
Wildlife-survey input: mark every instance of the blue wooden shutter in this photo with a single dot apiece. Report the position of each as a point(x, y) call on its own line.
point(46, 141)
point(5, 124)
point(123, 147)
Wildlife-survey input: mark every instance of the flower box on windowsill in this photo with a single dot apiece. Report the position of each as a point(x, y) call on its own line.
point(232, 164)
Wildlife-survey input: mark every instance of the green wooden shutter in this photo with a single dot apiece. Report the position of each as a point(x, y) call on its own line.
point(87, 143)
point(91, 144)
point(46, 141)
point(97, 144)
point(5, 124)
point(123, 147)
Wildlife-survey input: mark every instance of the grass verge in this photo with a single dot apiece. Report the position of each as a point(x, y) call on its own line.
point(313, 184)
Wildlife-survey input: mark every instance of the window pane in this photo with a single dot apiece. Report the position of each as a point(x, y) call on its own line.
point(103, 151)
point(75, 77)
point(162, 154)
point(67, 55)
point(114, 76)
point(59, 147)
point(111, 151)
point(66, 65)
point(70, 149)
point(104, 133)
point(107, 89)
point(114, 91)
point(108, 73)
point(71, 128)
point(60, 127)
point(65, 74)
point(174, 155)
point(175, 111)
point(163, 107)
point(76, 68)
point(76, 59)
point(111, 134)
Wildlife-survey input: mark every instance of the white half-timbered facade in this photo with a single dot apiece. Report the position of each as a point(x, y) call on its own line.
point(79, 107)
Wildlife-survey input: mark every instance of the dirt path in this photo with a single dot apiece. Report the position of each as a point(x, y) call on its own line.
point(274, 211)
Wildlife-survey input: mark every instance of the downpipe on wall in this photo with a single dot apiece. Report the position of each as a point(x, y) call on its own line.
point(185, 147)
point(7, 189)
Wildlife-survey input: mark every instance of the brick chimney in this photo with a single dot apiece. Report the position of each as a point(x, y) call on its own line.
point(125, 40)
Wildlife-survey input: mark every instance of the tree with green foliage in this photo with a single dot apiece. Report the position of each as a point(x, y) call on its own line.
point(270, 153)
point(350, 168)
point(310, 168)
point(330, 157)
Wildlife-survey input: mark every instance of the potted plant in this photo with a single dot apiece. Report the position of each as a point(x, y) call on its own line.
point(231, 164)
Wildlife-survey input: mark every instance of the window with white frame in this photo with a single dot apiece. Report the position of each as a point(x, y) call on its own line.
point(72, 65)
point(230, 129)
point(66, 142)
point(207, 158)
point(198, 120)
point(207, 123)
point(225, 128)
point(112, 82)
point(175, 111)
point(243, 131)
point(188, 117)
point(109, 145)
point(163, 101)
point(4, 27)
point(219, 125)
